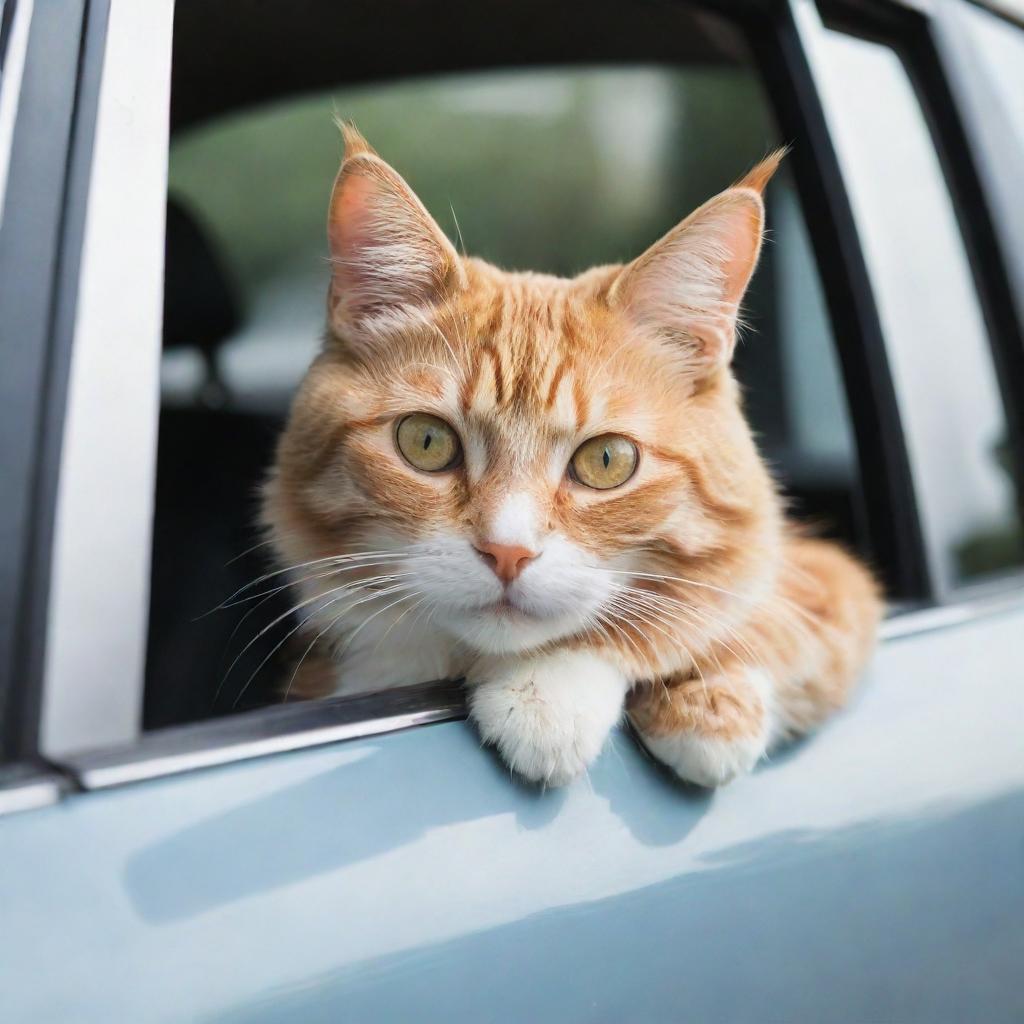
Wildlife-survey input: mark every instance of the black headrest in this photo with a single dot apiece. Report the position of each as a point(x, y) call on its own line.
point(201, 308)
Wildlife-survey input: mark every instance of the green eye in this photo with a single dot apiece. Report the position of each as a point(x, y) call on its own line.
point(604, 462)
point(427, 443)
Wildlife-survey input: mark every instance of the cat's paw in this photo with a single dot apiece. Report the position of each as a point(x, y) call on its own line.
point(549, 717)
point(708, 731)
point(706, 762)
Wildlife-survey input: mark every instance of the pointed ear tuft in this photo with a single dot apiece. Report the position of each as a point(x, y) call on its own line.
point(688, 286)
point(757, 178)
point(391, 261)
point(355, 143)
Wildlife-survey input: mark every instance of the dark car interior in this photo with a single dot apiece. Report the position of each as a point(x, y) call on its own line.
point(214, 449)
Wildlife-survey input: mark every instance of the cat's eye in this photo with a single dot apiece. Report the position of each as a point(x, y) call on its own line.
point(427, 443)
point(604, 462)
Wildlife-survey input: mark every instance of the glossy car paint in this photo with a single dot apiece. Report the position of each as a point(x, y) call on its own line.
point(871, 873)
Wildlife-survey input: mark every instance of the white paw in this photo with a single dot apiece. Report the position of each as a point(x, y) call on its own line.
point(707, 762)
point(549, 716)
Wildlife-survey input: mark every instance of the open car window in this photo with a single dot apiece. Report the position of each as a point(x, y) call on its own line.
point(583, 150)
point(554, 170)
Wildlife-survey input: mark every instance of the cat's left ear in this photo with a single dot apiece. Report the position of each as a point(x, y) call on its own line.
point(390, 259)
point(688, 285)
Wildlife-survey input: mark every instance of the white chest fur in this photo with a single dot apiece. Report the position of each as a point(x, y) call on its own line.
point(393, 647)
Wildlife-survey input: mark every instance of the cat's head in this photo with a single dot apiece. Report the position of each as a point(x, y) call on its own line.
point(517, 452)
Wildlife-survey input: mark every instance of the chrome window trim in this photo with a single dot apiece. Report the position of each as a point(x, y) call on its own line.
point(998, 598)
point(285, 728)
point(24, 788)
point(265, 731)
point(99, 583)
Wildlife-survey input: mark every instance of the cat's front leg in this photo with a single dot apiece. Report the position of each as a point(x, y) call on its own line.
point(549, 715)
point(707, 730)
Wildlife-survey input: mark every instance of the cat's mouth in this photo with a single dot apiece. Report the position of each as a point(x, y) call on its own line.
point(512, 623)
point(506, 608)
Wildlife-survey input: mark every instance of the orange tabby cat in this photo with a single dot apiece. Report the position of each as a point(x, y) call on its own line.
point(548, 486)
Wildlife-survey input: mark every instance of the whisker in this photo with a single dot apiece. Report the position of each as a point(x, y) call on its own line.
point(317, 638)
point(238, 625)
point(626, 609)
point(791, 605)
point(294, 630)
point(306, 579)
point(384, 635)
point(336, 559)
point(424, 606)
point(675, 640)
point(609, 620)
point(267, 595)
point(284, 615)
point(351, 637)
point(671, 579)
point(312, 644)
point(660, 601)
point(447, 343)
point(462, 244)
point(249, 551)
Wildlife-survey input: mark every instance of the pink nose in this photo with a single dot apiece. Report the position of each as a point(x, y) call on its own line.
point(507, 561)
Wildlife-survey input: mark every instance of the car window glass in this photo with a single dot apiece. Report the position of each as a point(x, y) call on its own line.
point(1001, 46)
point(952, 412)
point(14, 26)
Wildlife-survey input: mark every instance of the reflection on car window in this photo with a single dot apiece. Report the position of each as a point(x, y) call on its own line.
point(554, 171)
point(13, 46)
point(1000, 48)
point(939, 349)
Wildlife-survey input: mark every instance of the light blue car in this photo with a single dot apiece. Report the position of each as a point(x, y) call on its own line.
point(178, 845)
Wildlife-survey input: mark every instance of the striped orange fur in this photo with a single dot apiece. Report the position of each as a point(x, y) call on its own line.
point(727, 628)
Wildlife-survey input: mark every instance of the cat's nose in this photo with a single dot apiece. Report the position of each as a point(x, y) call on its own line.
point(506, 561)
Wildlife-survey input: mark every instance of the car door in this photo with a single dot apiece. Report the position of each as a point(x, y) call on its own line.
point(363, 858)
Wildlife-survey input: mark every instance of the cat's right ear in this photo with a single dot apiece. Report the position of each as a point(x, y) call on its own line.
point(390, 259)
point(688, 286)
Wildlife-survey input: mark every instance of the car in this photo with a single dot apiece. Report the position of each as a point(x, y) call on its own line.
point(177, 842)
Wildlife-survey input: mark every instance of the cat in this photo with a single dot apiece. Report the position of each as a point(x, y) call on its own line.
point(548, 487)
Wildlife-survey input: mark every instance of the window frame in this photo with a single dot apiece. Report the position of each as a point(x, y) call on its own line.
point(93, 667)
point(997, 152)
point(774, 40)
point(975, 177)
point(894, 525)
point(986, 164)
point(40, 244)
